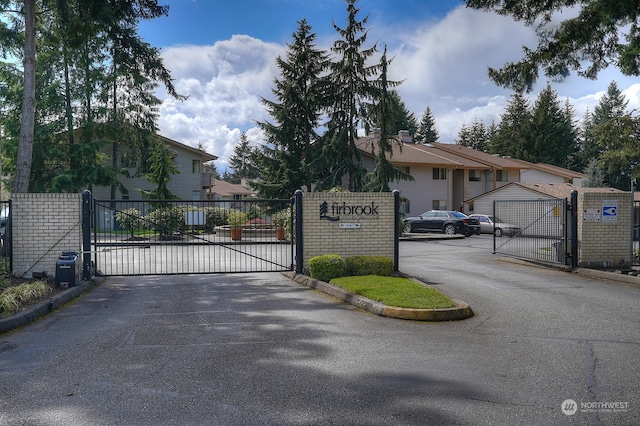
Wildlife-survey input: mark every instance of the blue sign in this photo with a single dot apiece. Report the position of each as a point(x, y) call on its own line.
point(610, 211)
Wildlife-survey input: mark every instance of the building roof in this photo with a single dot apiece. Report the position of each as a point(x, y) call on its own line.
point(554, 190)
point(493, 161)
point(410, 153)
point(558, 171)
point(226, 189)
point(205, 155)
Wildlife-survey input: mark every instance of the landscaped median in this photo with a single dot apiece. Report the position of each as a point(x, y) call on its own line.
point(459, 311)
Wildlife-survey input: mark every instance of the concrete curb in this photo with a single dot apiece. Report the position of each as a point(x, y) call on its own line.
point(459, 312)
point(610, 276)
point(29, 315)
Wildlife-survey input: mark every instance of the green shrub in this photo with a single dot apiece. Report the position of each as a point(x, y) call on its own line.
point(368, 265)
point(13, 298)
point(236, 218)
point(130, 220)
point(326, 267)
point(167, 220)
point(216, 216)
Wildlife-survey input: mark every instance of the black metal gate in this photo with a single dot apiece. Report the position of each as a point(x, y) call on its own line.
point(541, 229)
point(159, 237)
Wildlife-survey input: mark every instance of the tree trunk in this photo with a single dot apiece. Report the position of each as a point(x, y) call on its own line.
point(27, 123)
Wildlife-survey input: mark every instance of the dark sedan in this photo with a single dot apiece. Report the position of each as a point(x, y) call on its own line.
point(447, 221)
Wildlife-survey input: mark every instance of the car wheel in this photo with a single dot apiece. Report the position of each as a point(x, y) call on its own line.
point(498, 232)
point(407, 229)
point(450, 229)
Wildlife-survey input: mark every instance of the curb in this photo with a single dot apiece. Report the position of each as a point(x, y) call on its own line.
point(29, 315)
point(610, 276)
point(459, 312)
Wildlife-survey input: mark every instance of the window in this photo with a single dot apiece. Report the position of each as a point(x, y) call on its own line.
point(195, 194)
point(405, 206)
point(439, 173)
point(406, 169)
point(502, 176)
point(439, 204)
point(474, 175)
point(195, 166)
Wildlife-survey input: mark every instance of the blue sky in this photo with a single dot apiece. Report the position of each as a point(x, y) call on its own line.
point(222, 54)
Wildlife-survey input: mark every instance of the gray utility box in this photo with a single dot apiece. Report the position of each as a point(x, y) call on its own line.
point(67, 270)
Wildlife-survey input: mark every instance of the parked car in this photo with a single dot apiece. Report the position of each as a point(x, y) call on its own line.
point(493, 225)
point(447, 221)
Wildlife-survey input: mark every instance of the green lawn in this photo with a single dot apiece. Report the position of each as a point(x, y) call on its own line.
point(395, 291)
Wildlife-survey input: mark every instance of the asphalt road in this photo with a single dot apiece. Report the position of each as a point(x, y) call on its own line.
point(244, 349)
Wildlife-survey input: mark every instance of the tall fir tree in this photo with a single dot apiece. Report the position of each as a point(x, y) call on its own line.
point(513, 131)
point(476, 137)
point(289, 160)
point(350, 101)
point(427, 132)
point(551, 138)
point(386, 110)
point(243, 162)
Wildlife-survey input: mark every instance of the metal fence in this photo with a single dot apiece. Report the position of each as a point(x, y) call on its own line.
point(541, 229)
point(636, 233)
point(148, 237)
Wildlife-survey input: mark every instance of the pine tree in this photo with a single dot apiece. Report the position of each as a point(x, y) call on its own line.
point(289, 160)
point(513, 131)
point(350, 101)
point(162, 167)
point(386, 111)
point(243, 161)
point(551, 138)
point(476, 137)
point(427, 132)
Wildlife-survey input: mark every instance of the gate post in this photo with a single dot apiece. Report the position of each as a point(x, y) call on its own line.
point(299, 251)
point(396, 232)
point(574, 229)
point(86, 234)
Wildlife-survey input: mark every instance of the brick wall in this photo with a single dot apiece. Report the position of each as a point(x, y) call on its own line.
point(364, 226)
point(43, 226)
point(604, 238)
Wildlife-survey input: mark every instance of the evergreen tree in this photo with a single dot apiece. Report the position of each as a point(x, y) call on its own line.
point(400, 117)
point(551, 139)
point(476, 137)
point(243, 160)
point(386, 111)
point(162, 167)
point(596, 177)
point(513, 131)
point(601, 33)
point(350, 100)
point(427, 132)
point(289, 160)
point(619, 139)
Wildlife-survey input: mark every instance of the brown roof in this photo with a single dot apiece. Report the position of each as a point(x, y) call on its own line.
point(226, 189)
point(555, 190)
point(490, 160)
point(410, 153)
point(558, 171)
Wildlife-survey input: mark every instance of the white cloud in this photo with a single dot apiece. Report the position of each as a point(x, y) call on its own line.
point(224, 84)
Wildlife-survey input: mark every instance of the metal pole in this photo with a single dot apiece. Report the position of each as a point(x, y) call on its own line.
point(396, 233)
point(86, 234)
point(574, 229)
point(299, 246)
point(633, 215)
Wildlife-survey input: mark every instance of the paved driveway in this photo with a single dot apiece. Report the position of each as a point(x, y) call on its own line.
point(259, 349)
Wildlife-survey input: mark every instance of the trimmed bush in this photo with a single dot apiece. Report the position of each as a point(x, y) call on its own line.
point(326, 267)
point(368, 265)
point(216, 216)
point(166, 220)
point(130, 220)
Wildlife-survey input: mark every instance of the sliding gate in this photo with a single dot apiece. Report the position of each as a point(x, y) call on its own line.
point(540, 229)
point(148, 237)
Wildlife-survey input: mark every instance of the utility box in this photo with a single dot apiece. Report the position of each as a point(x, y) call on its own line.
point(67, 270)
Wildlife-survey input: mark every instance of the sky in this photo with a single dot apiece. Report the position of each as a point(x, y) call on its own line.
point(221, 54)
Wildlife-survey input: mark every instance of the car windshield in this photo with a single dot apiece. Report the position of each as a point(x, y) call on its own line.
point(495, 219)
